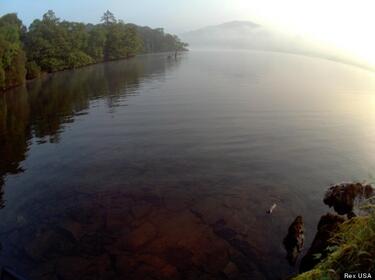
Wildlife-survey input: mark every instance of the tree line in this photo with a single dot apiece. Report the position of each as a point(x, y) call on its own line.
point(51, 44)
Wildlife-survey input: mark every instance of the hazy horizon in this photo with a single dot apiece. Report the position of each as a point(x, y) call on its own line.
point(344, 25)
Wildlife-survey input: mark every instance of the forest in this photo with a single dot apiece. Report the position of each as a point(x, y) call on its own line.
point(51, 44)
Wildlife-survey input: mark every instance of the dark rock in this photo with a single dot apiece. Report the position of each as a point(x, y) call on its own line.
point(245, 260)
point(181, 258)
point(342, 196)
point(231, 236)
point(94, 244)
point(49, 243)
point(142, 235)
point(231, 271)
point(327, 227)
point(294, 240)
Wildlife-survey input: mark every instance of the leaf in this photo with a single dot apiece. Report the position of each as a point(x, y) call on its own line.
point(317, 256)
point(331, 248)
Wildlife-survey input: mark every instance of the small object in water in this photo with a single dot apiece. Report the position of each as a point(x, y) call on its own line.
point(294, 240)
point(269, 211)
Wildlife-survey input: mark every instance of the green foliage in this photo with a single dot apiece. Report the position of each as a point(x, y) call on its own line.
point(156, 40)
point(122, 41)
point(97, 37)
point(78, 58)
point(2, 78)
point(12, 56)
point(11, 28)
point(354, 252)
point(47, 43)
point(53, 45)
point(32, 70)
point(317, 274)
point(115, 47)
point(16, 71)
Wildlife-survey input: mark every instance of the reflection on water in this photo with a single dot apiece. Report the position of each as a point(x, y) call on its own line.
point(14, 135)
point(41, 109)
point(160, 169)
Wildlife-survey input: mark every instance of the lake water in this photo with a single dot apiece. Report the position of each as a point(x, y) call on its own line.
point(156, 168)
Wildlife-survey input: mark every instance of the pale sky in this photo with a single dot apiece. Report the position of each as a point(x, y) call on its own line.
point(348, 24)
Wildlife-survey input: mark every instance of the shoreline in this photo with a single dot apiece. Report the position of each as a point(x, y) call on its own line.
point(45, 75)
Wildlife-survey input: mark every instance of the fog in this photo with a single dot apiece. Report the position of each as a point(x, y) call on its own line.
point(342, 27)
point(253, 36)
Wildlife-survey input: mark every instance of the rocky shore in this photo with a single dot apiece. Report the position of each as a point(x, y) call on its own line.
point(344, 241)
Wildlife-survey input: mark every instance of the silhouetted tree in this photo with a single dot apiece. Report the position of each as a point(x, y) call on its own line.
point(108, 18)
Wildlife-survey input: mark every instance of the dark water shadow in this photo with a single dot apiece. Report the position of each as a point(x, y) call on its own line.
point(41, 109)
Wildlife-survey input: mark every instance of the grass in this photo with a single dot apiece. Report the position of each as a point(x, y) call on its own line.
point(354, 250)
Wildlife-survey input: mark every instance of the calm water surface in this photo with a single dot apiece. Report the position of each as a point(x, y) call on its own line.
point(154, 168)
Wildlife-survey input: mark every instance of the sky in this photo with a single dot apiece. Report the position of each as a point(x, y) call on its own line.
point(347, 24)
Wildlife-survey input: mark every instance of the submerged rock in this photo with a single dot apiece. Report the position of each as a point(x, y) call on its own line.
point(342, 196)
point(327, 227)
point(231, 271)
point(2, 205)
point(294, 240)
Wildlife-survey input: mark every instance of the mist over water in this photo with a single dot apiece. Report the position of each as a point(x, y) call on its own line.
point(247, 35)
point(167, 167)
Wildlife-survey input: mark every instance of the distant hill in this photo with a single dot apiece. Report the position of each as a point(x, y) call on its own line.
point(232, 34)
point(250, 35)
